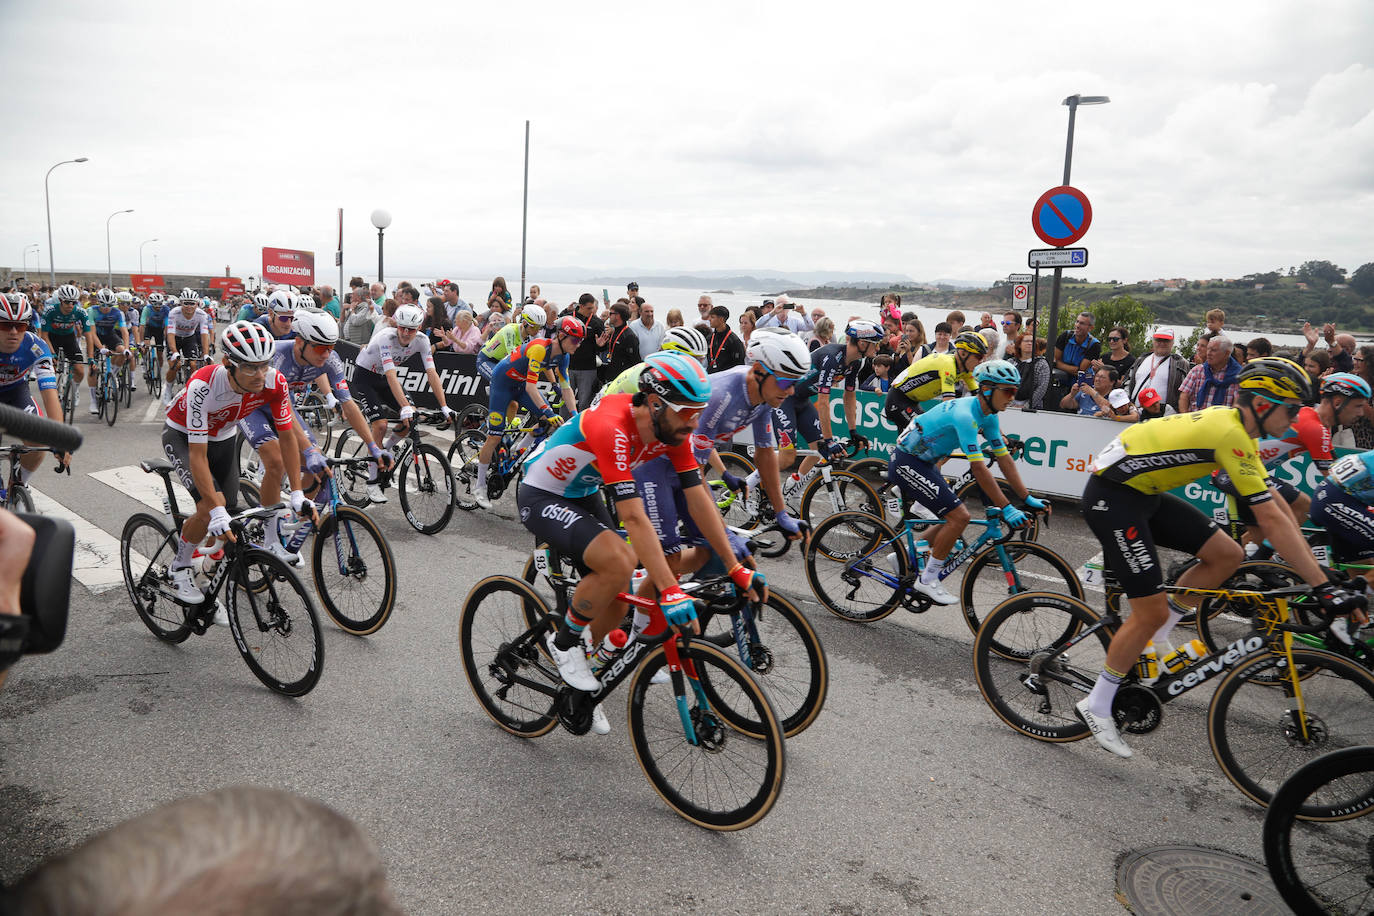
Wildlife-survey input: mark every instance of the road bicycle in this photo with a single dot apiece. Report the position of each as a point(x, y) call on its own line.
point(15, 495)
point(1324, 866)
point(126, 375)
point(424, 478)
point(351, 562)
point(152, 368)
point(1278, 704)
point(107, 391)
point(187, 366)
point(518, 440)
point(67, 386)
point(830, 488)
point(709, 742)
point(315, 416)
point(862, 569)
point(274, 625)
point(773, 640)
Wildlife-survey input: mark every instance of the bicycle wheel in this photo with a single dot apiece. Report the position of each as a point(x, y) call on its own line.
point(146, 549)
point(872, 470)
point(787, 659)
point(1322, 867)
point(317, 418)
point(1024, 670)
point(109, 398)
point(977, 501)
point(1035, 568)
point(1220, 621)
point(274, 625)
point(845, 491)
point(500, 650)
point(1253, 726)
point(126, 384)
point(471, 417)
point(728, 779)
point(18, 499)
point(354, 571)
point(843, 558)
point(462, 458)
point(352, 479)
point(426, 488)
point(731, 504)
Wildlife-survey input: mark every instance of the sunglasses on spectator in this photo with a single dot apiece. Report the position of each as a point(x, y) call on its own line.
point(1007, 323)
point(1114, 339)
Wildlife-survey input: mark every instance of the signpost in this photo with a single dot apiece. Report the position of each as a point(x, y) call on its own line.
point(143, 283)
point(1060, 217)
point(288, 266)
point(1057, 257)
point(1020, 296)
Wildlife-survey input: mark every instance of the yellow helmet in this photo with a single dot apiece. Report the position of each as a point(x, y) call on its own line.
point(1276, 377)
point(971, 342)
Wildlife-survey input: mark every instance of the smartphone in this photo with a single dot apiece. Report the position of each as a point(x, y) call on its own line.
point(605, 296)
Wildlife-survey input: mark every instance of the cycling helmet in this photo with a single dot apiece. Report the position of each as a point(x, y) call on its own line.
point(155, 298)
point(106, 297)
point(781, 352)
point(972, 342)
point(996, 372)
point(532, 316)
point(685, 340)
point(247, 342)
point(677, 378)
point(124, 297)
point(316, 328)
point(189, 295)
point(409, 316)
point(68, 293)
point(261, 302)
point(306, 301)
point(1352, 386)
point(573, 327)
point(15, 307)
point(281, 301)
point(1277, 377)
point(863, 330)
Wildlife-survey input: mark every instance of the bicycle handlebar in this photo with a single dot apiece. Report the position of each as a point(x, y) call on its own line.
point(33, 428)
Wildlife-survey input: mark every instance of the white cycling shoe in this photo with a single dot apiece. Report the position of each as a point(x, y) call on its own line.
point(1104, 730)
point(479, 496)
point(572, 665)
point(935, 591)
point(375, 494)
point(184, 584)
point(600, 724)
point(221, 615)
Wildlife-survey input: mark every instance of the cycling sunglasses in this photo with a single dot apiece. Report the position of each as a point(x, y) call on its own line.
point(784, 383)
point(12, 326)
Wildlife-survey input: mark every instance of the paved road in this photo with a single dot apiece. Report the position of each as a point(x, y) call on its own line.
point(907, 795)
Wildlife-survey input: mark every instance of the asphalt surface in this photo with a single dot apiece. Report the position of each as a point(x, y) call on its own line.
point(906, 795)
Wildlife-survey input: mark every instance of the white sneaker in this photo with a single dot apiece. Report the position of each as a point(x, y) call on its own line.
point(184, 584)
point(221, 615)
point(661, 676)
point(600, 724)
point(95, 408)
point(1104, 730)
point(935, 591)
point(480, 494)
point(375, 494)
point(572, 665)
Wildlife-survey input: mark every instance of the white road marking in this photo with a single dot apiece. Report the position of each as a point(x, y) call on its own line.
point(146, 488)
point(95, 561)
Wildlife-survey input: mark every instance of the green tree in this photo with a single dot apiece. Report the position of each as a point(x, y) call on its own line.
point(1362, 280)
point(1321, 272)
point(1126, 311)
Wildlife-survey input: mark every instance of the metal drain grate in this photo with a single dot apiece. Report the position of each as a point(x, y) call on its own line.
point(1192, 881)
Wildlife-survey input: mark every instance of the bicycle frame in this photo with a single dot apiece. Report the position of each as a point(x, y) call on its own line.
point(906, 540)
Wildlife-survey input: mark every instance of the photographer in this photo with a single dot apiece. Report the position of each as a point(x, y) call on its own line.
point(1089, 395)
point(360, 323)
point(786, 315)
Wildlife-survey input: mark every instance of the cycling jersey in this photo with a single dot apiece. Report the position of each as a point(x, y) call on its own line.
point(54, 321)
point(1169, 452)
point(729, 411)
point(930, 378)
point(32, 359)
point(953, 426)
point(108, 322)
point(529, 359)
point(384, 352)
point(155, 317)
point(503, 342)
point(626, 382)
point(181, 326)
point(826, 363)
point(600, 446)
point(1355, 475)
point(209, 409)
point(300, 375)
point(1307, 434)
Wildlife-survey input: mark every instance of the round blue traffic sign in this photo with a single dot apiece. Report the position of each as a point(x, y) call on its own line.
point(1061, 216)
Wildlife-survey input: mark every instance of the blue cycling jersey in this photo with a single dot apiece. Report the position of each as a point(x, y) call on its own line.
point(1355, 475)
point(107, 321)
point(155, 316)
point(54, 321)
point(32, 359)
point(952, 426)
point(266, 321)
point(299, 375)
point(826, 363)
point(729, 412)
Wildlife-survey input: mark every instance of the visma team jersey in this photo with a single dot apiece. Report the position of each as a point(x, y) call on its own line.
point(384, 352)
point(209, 409)
point(930, 378)
point(33, 359)
point(729, 412)
point(1158, 455)
point(155, 316)
point(953, 426)
point(105, 322)
point(181, 326)
point(503, 342)
point(55, 322)
point(600, 445)
point(299, 375)
point(1307, 434)
point(524, 363)
point(826, 363)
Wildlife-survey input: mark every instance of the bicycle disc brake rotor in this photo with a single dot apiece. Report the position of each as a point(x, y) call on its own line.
point(1317, 732)
point(1136, 709)
point(710, 731)
point(760, 659)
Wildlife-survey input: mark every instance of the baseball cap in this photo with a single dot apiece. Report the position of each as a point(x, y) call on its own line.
point(632, 285)
point(1119, 398)
point(1164, 334)
point(1148, 397)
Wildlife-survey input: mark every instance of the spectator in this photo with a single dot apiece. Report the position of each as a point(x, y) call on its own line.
point(816, 315)
point(1241, 352)
point(673, 319)
point(466, 338)
point(724, 348)
point(825, 333)
point(436, 324)
point(331, 302)
point(892, 333)
point(620, 343)
point(786, 315)
point(1259, 347)
point(882, 374)
point(636, 303)
point(1318, 364)
point(378, 291)
point(1163, 369)
point(649, 332)
point(994, 344)
point(499, 298)
point(1216, 320)
point(1035, 372)
point(704, 306)
point(631, 291)
point(495, 322)
point(453, 303)
point(985, 321)
point(1090, 398)
point(583, 362)
point(1074, 351)
point(534, 292)
point(908, 349)
point(1011, 331)
point(944, 332)
point(956, 322)
point(748, 319)
point(1213, 383)
point(1119, 408)
point(1340, 347)
point(1118, 355)
point(891, 304)
point(361, 322)
point(1152, 406)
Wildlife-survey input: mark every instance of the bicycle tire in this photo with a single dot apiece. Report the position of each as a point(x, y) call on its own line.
point(18, 498)
point(838, 563)
point(430, 506)
point(318, 419)
point(259, 599)
point(1027, 629)
point(1221, 622)
point(972, 495)
point(789, 660)
point(69, 400)
point(126, 384)
point(690, 778)
point(150, 538)
point(873, 470)
point(462, 457)
point(1254, 737)
point(110, 400)
point(345, 530)
point(351, 479)
point(471, 417)
point(493, 618)
point(1321, 868)
point(1038, 569)
point(734, 512)
point(845, 491)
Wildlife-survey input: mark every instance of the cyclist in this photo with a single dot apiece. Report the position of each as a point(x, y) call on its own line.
point(59, 328)
point(187, 337)
point(132, 307)
point(251, 309)
point(112, 331)
point(200, 439)
point(154, 321)
point(509, 338)
point(1127, 505)
point(933, 436)
point(677, 340)
point(561, 504)
point(516, 381)
point(377, 384)
point(281, 313)
point(934, 378)
point(23, 356)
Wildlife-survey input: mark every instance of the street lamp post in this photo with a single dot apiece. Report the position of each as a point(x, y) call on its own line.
point(381, 219)
point(25, 262)
point(140, 253)
point(109, 270)
point(52, 271)
point(1073, 101)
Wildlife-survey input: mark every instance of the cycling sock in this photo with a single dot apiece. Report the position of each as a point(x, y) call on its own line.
point(372, 472)
point(185, 550)
point(1104, 691)
point(24, 474)
point(931, 574)
point(1176, 613)
point(640, 622)
point(481, 476)
point(570, 633)
point(391, 439)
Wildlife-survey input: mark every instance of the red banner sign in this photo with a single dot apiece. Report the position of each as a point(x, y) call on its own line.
point(143, 283)
point(289, 266)
point(228, 286)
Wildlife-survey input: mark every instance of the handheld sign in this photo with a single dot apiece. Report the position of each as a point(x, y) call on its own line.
point(1061, 216)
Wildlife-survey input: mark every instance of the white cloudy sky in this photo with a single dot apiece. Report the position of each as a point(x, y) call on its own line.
point(907, 137)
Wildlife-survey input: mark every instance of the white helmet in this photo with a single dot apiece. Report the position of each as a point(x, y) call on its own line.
point(409, 316)
point(155, 298)
point(124, 296)
point(316, 328)
point(685, 340)
point(260, 302)
point(534, 316)
point(189, 295)
point(306, 301)
point(14, 306)
point(106, 297)
point(281, 301)
point(781, 352)
point(247, 342)
point(68, 293)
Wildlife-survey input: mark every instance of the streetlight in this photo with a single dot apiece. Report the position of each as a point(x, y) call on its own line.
point(140, 253)
point(52, 271)
point(109, 271)
point(1073, 102)
point(381, 219)
point(26, 258)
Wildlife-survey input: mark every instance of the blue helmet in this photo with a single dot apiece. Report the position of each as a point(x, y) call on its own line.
point(677, 378)
point(1352, 386)
point(996, 372)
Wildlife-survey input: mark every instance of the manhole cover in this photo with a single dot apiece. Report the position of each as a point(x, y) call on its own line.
point(1192, 881)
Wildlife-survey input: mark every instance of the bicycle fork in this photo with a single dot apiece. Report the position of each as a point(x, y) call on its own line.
point(677, 669)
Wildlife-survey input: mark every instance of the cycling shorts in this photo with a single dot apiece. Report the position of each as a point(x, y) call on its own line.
point(1349, 521)
point(923, 482)
point(798, 419)
point(1244, 511)
point(223, 455)
point(660, 491)
point(109, 339)
point(258, 427)
point(188, 346)
point(568, 524)
point(20, 398)
point(67, 345)
point(1130, 524)
point(373, 395)
point(503, 392)
point(486, 366)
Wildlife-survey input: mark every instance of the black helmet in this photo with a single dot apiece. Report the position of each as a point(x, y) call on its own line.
point(1276, 377)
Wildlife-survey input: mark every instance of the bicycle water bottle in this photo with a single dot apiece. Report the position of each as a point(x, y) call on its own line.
point(1147, 666)
point(1183, 656)
point(610, 647)
point(637, 579)
point(204, 562)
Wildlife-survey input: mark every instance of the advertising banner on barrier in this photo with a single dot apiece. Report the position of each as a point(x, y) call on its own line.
point(228, 286)
point(289, 266)
point(462, 383)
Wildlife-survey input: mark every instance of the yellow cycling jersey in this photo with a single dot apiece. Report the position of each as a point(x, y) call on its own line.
point(503, 342)
point(931, 377)
point(1158, 455)
point(626, 382)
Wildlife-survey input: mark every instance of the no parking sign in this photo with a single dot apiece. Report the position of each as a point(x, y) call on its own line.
point(1061, 216)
